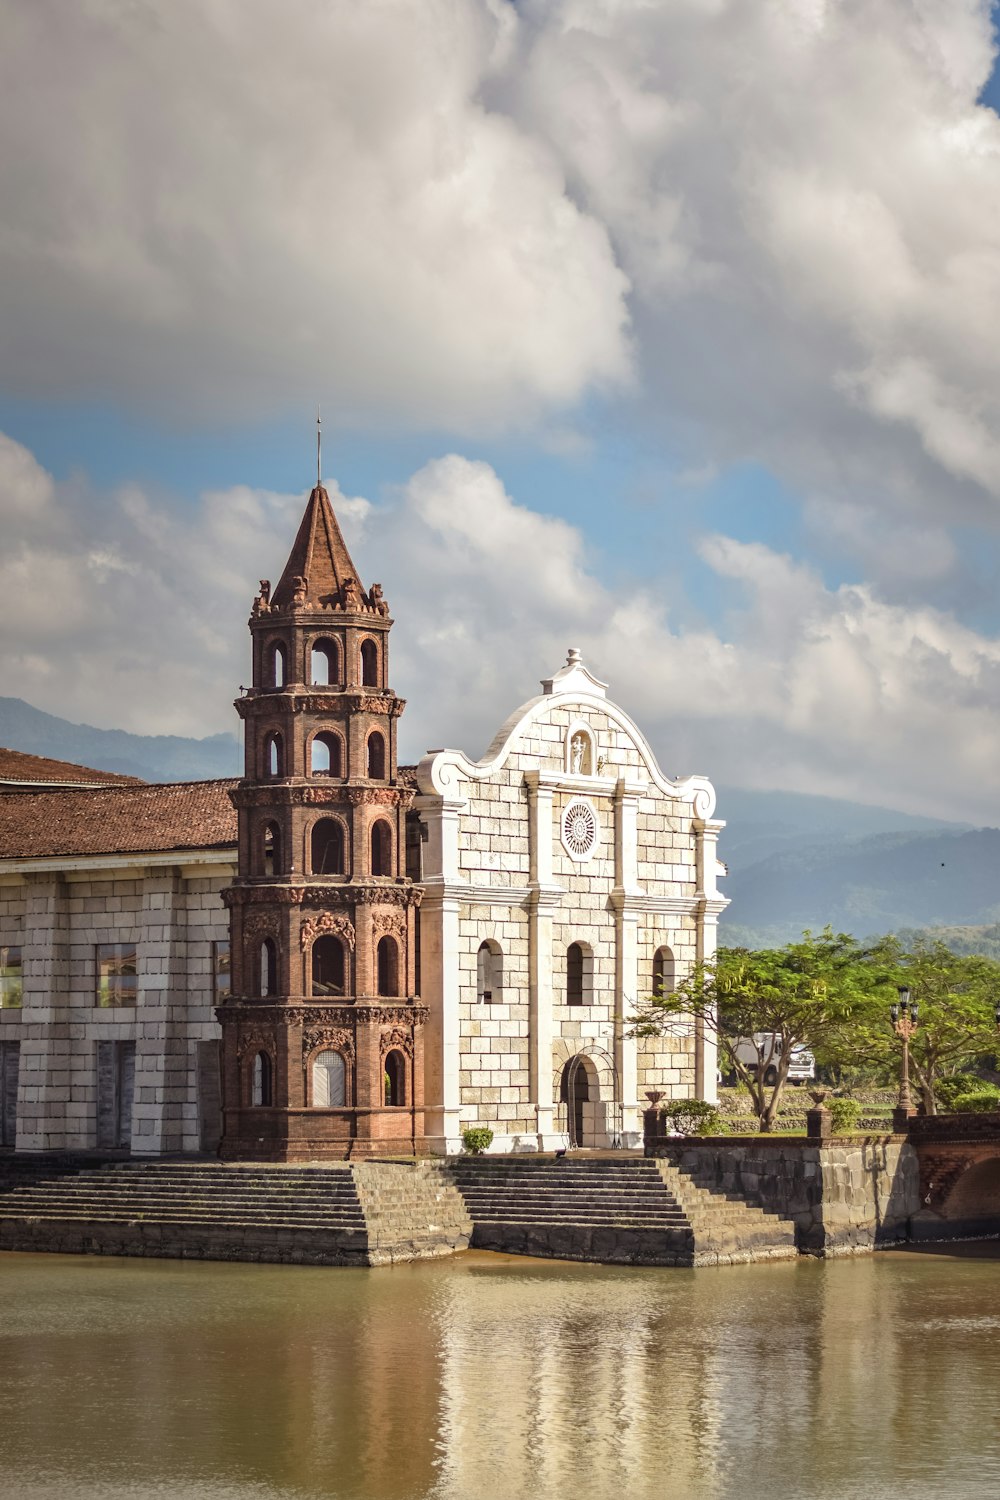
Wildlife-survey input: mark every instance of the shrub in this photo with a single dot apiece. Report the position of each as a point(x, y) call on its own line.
point(694, 1117)
point(844, 1115)
point(981, 1102)
point(947, 1090)
point(477, 1139)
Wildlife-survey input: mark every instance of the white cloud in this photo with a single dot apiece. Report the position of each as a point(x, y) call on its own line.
point(226, 207)
point(123, 613)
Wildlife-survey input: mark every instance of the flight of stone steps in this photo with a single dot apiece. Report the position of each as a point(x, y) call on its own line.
point(210, 1211)
point(628, 1211)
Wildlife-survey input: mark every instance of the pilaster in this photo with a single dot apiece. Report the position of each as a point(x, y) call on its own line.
point(165, 1097)
point(44, 1094)
point(710, 905)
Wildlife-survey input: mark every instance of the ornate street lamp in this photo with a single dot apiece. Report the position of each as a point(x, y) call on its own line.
point(904, 1023)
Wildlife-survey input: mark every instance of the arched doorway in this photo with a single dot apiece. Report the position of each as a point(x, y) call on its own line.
point(579, 1091)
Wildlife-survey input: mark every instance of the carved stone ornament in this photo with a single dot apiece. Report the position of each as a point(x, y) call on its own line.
point(257, 926)
point(336, 922)
point(323, 795)
point(320, 1038)
point(376, 703)
point(255, 1040)
point(388, 924)
point(397, 1039)
point(263, 895)
point(380, 796)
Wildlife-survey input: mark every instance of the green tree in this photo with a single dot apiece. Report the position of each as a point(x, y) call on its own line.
point(956, 996)
point(803, 994)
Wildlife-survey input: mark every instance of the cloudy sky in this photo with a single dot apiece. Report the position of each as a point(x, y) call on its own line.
point(664, 328)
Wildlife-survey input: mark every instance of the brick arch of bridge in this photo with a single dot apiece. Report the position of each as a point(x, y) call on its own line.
point(959, 1158)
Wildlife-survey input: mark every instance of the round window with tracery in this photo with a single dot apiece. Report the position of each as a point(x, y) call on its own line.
point(579, 830)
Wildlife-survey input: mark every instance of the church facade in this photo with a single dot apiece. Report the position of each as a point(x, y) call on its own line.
point(336, 957)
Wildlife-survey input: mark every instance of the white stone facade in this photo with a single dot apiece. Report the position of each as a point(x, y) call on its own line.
point(57, 912)
point(565, 833)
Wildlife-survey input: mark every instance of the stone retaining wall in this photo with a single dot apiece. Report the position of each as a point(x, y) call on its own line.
point(851, 1196)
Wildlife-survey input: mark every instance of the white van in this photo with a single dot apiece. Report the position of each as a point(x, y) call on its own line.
point(763, 1050)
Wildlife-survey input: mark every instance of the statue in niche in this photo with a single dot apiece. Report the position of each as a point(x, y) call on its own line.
point(579, 755)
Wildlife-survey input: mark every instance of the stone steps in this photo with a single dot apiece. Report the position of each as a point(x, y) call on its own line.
point(630, 1211)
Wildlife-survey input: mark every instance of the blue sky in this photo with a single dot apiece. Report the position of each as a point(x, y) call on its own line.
point(734, 331)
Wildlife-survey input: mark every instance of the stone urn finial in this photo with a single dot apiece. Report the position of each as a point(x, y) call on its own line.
point(654, 1097)
point(817, 1096)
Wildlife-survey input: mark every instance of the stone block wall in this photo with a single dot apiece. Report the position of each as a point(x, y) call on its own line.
point(173, 915)
point(854, 1195)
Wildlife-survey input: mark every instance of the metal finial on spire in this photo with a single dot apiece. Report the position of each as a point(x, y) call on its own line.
point(319, 449)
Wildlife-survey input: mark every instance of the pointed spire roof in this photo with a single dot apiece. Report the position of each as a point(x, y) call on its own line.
point(320, 556)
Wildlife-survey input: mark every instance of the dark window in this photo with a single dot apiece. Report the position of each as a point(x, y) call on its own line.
point(268, 968)
point(262, 1086)
point(488, 973)
point(10, 979)
point(277, 665)
point(116, 974)
point(272, 849)
point(274, 760)
point(376, 756)
point(663, 972)
point(328, 966)
point(395, 1078)
point(387, 957)
point(574, 974)
point(369, 664)
point(381, 863)
point(326, 755)
point(327, 847)
point(221, 983)
point(324, 663)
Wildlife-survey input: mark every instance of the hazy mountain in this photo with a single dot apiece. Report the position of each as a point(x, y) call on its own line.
point(158, 757)
point(882, 883)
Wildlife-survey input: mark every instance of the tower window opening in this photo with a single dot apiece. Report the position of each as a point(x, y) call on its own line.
point(328, 966)
point(387, 965)
point(395, 1078)
point(574, 974)
point(274, 756)
point(329, 1081)
point(381, 848)
point(324, 663)
point(326, 847)
point(272, 849)
point(326, 755)
point(262, 1082)
point(268, 968)
point(369, 664)
point(277, 665)
point(376, 756)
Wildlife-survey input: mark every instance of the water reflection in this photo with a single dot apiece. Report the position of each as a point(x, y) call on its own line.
point(486, 1377)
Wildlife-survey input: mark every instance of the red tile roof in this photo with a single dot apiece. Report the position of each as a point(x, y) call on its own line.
point(18, 767)
point(118, 820)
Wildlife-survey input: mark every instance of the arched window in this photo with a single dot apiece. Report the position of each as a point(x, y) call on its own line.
point(489, 973)
point(329, 1081)
point(387, 966)
point(579, 974)
point(268, 968)
point(664, 979)
point(324, 663)
point(326, 847)
point(395, 1078)
point(369, 664)
point(381, 862)
point(262, 1081)
point(328, 966)
point(272, 849)
point(274, 757)
point(326, 755)
point(277, 665)
point(376, 756)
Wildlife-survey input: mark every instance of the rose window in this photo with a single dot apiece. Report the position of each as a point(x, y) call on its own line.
point(579, 830)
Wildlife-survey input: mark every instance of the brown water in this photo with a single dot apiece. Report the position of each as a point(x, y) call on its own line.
point(486, 1376)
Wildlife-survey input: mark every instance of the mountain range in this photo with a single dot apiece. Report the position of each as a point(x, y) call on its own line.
point(794, 860)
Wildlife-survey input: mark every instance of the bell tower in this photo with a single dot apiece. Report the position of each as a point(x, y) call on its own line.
point(323, 1036)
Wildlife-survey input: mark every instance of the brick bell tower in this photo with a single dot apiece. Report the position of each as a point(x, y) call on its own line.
point(323, 1036)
